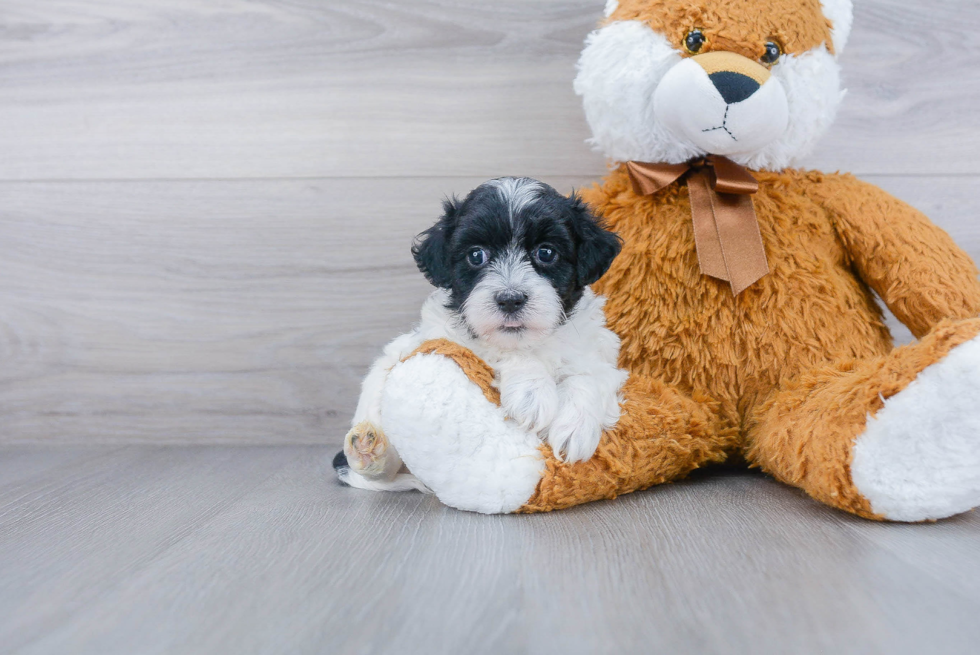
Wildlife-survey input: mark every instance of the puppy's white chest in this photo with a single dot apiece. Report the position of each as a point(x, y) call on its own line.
point(521, 365)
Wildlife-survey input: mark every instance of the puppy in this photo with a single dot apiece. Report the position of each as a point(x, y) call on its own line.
point(511, 264)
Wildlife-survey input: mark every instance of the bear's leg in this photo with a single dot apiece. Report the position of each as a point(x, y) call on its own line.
point(443, 416)
point(892, 438)
point(662, 435)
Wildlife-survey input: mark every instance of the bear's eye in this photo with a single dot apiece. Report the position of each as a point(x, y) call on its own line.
point(477, 257)
point(694, 41)
point(773, 52)
point(545, 254)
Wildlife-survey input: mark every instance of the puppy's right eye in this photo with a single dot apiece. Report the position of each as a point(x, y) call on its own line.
point(545, 255)
point(477, 257)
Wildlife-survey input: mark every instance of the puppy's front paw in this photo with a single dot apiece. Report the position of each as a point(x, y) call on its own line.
point(368, 452)
point(532, 402)
point(574, 436)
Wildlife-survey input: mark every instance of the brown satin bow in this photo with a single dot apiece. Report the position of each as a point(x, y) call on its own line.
point(726, 231)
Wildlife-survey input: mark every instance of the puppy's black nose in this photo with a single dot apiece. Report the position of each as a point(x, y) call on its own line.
point(734, 87)
point(510, 301)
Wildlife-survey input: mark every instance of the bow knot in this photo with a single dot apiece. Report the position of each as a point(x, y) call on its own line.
point(726, 231)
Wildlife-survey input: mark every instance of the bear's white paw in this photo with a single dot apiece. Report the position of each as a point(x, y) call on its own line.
point(919, 457)
point(459, 444)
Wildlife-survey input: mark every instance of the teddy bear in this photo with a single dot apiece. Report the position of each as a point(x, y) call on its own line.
point(745, 296)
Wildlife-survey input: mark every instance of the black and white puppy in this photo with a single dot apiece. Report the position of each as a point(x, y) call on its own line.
point(511, 264)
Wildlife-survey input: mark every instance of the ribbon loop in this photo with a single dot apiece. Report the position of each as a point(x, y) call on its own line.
point(726, 230)
point(649, 178)
point(732, 178)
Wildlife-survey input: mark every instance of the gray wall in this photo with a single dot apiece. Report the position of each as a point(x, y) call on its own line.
point(205, 210)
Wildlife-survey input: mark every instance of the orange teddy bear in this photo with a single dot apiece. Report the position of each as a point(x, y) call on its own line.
point(744, 294)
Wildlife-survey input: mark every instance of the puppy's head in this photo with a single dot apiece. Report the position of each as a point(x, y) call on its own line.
point(515, 256)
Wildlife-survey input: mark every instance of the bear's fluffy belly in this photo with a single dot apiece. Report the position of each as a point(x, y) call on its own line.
point(688, 330)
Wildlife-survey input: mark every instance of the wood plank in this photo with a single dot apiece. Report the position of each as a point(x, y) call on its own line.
point(71, 534)
point(309, 565)
point(904, 113)
point(947, 553)
point(229, 312)
point(138, 90)
point(727, 562)
point(301, 89)
point(19, 465)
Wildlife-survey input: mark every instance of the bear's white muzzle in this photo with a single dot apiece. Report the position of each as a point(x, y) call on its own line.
point(722, 103)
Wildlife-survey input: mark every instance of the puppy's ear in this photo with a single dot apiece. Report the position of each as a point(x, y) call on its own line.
point(596, 247)
point(431, 248)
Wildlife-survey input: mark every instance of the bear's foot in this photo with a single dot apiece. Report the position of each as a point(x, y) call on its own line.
point(455, 440)
point(895, 437)
point(919, 457)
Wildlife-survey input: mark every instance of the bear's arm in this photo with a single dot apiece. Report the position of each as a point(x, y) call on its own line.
point(914, 266)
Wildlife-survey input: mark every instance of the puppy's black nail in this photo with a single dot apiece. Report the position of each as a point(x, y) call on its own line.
point(340, 461)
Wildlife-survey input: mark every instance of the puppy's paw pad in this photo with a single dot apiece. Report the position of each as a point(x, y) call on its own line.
point(366, 449)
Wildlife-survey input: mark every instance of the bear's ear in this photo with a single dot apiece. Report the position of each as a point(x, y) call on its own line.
point(840, 13)
point(431, 248)
point(595, 247)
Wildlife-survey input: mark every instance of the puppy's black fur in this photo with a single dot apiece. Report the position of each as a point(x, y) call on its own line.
point(585, 248)
point(341, 465)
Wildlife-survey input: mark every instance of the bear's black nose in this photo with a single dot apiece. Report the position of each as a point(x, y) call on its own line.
point(733, 87)
point(510, 301)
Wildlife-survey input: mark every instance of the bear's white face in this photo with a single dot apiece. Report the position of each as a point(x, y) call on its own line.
point(663, 83)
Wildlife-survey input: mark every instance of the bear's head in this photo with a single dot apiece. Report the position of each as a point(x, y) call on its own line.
point(757, 81)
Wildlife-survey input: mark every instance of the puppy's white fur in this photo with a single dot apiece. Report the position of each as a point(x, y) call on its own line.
point(517, 192)
point(563, 385)
point(538, 317)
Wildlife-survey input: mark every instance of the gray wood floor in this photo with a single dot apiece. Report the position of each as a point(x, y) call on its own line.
point(143, 549)
point(205, 212)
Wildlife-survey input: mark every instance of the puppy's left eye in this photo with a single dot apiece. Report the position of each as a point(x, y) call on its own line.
point(545, 255)
point(477, 257)
point(772, 54)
